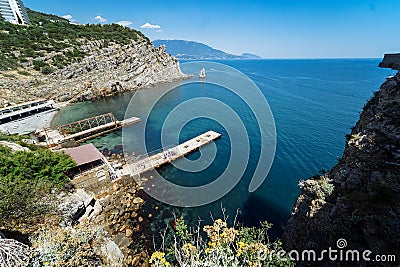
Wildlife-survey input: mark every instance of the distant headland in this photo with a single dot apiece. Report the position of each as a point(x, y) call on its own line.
point(182, 49)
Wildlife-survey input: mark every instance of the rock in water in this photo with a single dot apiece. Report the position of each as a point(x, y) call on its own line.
point(202, 73)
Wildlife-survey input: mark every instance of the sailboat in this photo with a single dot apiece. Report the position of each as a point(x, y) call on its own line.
point(202, 73)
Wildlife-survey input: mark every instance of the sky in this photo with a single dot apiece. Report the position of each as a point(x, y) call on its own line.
point(270, 29)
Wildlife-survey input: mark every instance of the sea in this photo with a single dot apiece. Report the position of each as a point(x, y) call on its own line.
point(313, 104)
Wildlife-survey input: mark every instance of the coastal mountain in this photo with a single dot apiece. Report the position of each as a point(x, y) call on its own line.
point(250, 56)
point(53, 58)
point(358, 199)
point(182, 49)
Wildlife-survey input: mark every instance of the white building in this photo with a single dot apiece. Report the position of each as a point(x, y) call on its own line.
point(14, 11)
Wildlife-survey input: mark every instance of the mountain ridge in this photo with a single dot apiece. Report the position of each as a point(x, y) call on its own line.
point(183, 49)
point(250, 56)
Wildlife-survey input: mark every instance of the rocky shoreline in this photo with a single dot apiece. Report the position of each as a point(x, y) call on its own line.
point(104, 71)
point(358, 198)
point(117, 212)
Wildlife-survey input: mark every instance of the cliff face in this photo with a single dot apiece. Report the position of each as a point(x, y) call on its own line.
point(359, 198)
point(103, 71)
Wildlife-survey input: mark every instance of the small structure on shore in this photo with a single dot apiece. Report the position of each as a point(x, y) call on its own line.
point(391, 61)
point(202, 73)
point(86, 157)
point(91, 165)
point(26, 109)
point(27, 117)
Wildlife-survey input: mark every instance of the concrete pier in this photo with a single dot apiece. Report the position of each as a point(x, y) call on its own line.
point(169, 155)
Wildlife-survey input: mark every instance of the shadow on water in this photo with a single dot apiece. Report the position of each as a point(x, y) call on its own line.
point(257, 210)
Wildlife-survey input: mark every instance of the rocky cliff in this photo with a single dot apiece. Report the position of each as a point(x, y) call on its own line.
point(103, 71)
point(359, 198)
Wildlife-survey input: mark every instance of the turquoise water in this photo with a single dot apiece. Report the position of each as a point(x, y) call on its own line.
point(314, 104)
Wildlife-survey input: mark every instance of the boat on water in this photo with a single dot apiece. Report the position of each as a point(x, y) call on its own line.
point(202, 73)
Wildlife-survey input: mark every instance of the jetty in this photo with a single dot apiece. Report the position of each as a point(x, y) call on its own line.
point(170, 154)
point(71, 134)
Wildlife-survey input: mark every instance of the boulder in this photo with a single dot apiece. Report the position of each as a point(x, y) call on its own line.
point(137, 200)
point(113, 255)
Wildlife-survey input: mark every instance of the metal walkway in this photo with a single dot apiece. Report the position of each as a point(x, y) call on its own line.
point(83, 130)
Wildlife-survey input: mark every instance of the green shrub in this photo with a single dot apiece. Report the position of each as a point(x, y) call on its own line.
point(37, 64)
point(8, 75)
point(37, 83)
point(25, 178)
point(47, 70)
point(326, 186)
point(50, 33)
point(23, 72)
point(59, 65)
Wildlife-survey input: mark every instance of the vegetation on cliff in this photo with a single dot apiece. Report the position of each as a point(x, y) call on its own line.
point(221, 245)
point(358, 199)
point(64, 61)
point(51, 42)
point(72, 246)
point(26, 179)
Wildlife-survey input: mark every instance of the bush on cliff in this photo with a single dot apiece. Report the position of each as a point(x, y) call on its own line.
point(26, 179)
point(83, 245)
point(223, 246)
point(51, 36)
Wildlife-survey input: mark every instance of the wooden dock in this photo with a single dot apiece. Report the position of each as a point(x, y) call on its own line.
point(171, 154)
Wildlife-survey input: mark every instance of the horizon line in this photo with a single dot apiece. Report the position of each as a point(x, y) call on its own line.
point(288, 58)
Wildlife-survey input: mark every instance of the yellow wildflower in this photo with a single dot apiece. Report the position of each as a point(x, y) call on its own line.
point(158, 258)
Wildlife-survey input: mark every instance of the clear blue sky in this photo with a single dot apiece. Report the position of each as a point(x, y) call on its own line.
point(271, 29)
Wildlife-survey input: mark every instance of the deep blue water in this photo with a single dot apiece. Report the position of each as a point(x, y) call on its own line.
point(314, 104)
